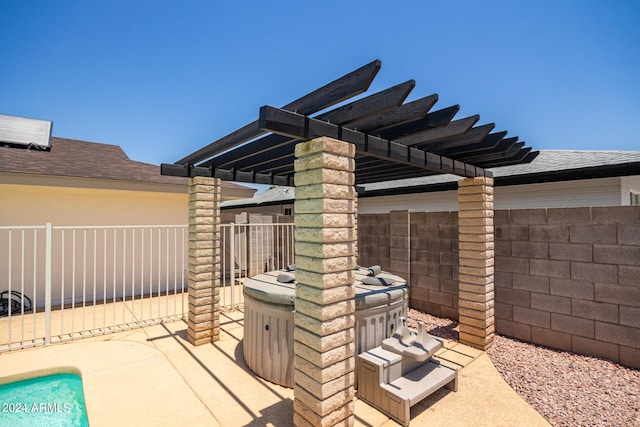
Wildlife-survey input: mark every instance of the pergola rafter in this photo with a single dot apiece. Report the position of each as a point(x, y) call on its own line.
point(394, 139)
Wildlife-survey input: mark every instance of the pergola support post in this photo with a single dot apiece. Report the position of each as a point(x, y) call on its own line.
point(325, 294)
point(204, 260)
point(476, 262)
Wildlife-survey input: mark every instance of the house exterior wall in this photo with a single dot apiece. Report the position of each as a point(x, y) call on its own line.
point(566, 278)
point(79, 203)
point(588, 192)
point(630, 184)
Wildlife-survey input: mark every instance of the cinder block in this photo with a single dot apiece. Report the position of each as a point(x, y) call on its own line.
point(532, 317)
point(628, 275)
point(441, 298)
point(595, 310)
point(532, 283)
point(616, 215)
point(551, 303)
point(630, 356)
point(501, 216)
point(591, 347)
point(629, 234)
point(503, 248)
point(528, 216)
point(572, 288)
point(616, 254)
point(549, 233)
point(550, 268)
point(570, 216)
point(618, 334)
point(399, 254)
point(602, 273)
point(623, 295)
point(513, 296)
point(437, 218)
point(449, 312)
point(593, 233)
point(446, 231)
point(513, 329)
point(451, 258)
point(530, 249)
point(503, 311)
point(573, 325)
point(571, 251)
point(549, 338)
point(399, 217)
point(513, 265)
point(440, 271)
point(630, 316)
point(503, 280)
point(450, 286)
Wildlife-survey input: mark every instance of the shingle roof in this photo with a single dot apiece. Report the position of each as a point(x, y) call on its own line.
point(550, 165)
point(73, 158)
point(572, 164)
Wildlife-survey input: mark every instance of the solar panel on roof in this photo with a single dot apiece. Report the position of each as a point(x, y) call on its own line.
point(24, 132)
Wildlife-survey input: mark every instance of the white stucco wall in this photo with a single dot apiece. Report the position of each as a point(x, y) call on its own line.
point(592, 192)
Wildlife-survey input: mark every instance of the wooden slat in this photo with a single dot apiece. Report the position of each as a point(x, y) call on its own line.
point(488, 143)
point(498, 154)
point(523, 156)
point(372, 104)
point(350, 85)
point(432, 120)
point(278, 145)
point(405, 113)
point(473, 136)
point(454, 128)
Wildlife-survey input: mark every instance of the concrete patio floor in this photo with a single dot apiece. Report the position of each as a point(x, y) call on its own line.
point(154, 377)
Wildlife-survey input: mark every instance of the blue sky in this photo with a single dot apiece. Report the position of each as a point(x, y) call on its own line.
point(163, 78)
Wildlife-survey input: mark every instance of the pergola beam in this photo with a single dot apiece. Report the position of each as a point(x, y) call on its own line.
point(306, 128)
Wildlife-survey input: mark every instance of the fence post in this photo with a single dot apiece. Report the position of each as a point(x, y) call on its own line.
point(47, 284)
point(232, 263)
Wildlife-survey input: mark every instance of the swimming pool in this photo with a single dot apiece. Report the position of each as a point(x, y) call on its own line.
point(50, 400)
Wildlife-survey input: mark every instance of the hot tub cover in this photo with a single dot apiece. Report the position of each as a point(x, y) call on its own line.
point(266, 288)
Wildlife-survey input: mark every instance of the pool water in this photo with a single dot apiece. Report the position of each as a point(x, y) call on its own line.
point(52, 400)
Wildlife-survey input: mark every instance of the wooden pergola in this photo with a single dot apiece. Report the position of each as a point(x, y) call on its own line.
point(326, 143)
point(393, 139)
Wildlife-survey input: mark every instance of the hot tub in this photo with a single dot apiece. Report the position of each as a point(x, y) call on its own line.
point(268, 320)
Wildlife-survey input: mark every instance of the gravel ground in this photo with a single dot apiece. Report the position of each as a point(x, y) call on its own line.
point(566, 388)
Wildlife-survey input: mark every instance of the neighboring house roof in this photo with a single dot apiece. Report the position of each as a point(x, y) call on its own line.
point(549, 166)
point(82, 159)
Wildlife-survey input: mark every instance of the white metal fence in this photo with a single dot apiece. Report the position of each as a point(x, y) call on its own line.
point(59, 283)
point(250, 249)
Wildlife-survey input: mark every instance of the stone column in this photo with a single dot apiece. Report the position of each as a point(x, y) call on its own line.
point(476, 261)
point(325, 296)
point(204, 260)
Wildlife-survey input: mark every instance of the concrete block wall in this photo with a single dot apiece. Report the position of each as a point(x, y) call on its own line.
point(570, 279)
point(565, 278)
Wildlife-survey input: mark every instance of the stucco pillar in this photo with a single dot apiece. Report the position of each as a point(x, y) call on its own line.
point(325, 296)
point(204, 260)
point(476, 252)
